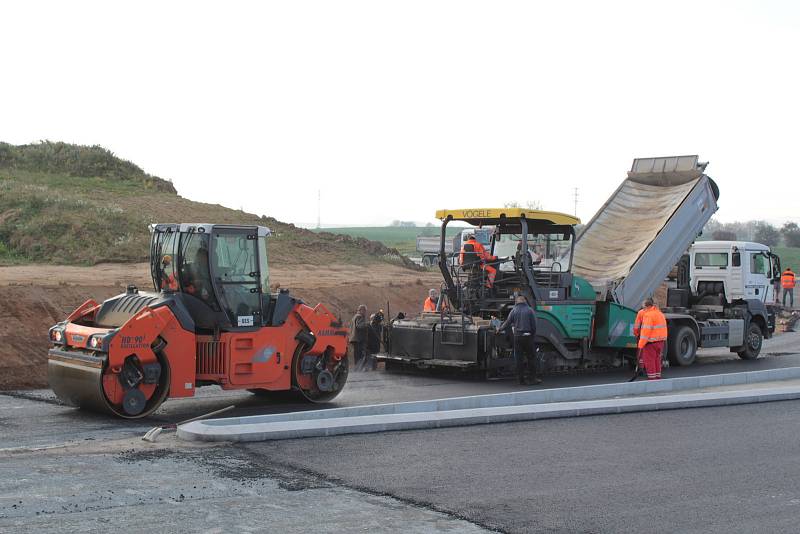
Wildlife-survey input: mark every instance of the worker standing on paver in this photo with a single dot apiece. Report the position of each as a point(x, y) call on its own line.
point(651, 329)
point(430, 303)
point(787, 283)
point(358, 336)
point(522, 320)
point(473, 252)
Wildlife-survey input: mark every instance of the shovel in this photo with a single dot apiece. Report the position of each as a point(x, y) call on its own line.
point(153, 433)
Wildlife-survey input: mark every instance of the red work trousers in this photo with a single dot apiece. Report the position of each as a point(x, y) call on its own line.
point(650, 357)
point(491, 273)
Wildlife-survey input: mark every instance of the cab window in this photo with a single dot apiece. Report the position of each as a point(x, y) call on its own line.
point(235, 267)
point(195, 278)
point(711, 259)
point(263, 264)
point(165, 271)
point(759, 264)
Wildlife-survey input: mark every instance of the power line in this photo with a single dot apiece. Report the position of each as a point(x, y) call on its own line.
point(319, 208)
point(576, 202)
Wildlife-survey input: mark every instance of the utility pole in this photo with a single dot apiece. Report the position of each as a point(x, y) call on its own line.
point(319, 208)
point(576, 202)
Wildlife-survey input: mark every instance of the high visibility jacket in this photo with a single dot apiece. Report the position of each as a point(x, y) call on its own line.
point(650, 326)
point(478, 250)
point(171, 283)
point(787, 279)
point(429, 306)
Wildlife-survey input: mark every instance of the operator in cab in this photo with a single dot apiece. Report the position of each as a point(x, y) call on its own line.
point(168, 281)
point(651, 329)
point(472, 252)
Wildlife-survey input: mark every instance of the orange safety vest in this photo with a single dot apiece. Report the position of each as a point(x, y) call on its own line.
point(787, 279)
point(479, 250)
point(650, 326)
point(170, 282)
point(429, 306)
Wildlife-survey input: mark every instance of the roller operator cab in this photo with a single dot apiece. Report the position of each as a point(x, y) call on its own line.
point(533, 251)
point(210, 320)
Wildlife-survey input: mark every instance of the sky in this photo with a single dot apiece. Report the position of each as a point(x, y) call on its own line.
point(392, 110)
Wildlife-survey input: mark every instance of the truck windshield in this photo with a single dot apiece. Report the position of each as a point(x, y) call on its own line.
point(711, 259)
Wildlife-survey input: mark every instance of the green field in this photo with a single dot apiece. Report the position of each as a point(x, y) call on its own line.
point(790, 257)
point(403, 238)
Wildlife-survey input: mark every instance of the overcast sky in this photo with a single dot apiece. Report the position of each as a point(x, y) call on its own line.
point(395, 109)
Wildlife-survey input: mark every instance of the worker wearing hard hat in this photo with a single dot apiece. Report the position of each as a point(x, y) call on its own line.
point(788, 282)
point(651, 329)
point(473, 252)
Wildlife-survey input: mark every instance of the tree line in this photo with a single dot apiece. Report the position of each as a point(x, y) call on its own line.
point(758, 231)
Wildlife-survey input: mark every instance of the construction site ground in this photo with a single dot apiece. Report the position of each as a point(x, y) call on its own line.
point(66, 470)
point(35, 297)
point(63, 469)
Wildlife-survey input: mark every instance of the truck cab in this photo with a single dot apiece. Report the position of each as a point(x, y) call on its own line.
point(725, 272)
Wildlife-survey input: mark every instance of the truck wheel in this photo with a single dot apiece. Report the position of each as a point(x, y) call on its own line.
point(427, 261)
point(682, 346)
point(752, 342)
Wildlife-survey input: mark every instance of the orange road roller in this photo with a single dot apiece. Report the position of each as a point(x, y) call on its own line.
point(211, 320)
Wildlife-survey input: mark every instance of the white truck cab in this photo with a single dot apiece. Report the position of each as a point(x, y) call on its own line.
point(724, 272)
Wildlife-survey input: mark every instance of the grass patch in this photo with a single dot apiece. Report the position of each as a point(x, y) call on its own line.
point(790, 257)
point(50, 213)
point(403, 238)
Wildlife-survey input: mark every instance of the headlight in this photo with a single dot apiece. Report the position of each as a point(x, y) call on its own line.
point(56, 335)
point(96, 342)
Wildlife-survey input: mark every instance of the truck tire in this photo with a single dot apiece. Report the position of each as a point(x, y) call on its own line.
point(682, 346)
point(753, 339)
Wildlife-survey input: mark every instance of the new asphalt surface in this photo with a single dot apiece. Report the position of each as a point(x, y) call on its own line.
point(731, 469)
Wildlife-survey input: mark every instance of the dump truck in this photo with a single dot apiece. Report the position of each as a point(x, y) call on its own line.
point(586, 289)
point(211, 319)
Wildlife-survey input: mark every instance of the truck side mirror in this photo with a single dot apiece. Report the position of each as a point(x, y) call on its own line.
point(737, 259)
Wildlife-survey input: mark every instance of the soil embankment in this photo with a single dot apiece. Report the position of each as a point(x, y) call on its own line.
point(34, 297)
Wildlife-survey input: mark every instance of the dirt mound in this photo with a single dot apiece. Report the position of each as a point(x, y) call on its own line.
point(33, 298)
point(78, 205)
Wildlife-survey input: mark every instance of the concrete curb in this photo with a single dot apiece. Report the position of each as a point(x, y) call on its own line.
point(497, 408)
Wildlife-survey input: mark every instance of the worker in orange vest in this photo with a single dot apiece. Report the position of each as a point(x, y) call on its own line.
point(472, 252)
point(787, 283)
point(651, 329)
point(431, 301)
point(169, 282)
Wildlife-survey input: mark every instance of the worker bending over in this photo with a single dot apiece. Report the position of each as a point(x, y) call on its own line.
point(787, 283)
point(473, 252)
point(651, 329)
point(522, 320)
